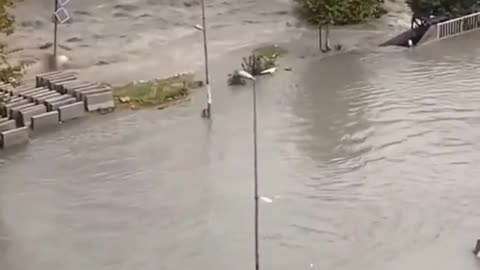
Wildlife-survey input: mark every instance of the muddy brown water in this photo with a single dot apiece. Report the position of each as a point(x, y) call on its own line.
point(370, 159)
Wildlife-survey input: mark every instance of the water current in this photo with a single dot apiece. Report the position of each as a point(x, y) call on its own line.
point(370, 159)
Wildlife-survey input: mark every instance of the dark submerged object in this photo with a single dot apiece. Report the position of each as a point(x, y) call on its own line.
point(419, 26)
point(476, 251)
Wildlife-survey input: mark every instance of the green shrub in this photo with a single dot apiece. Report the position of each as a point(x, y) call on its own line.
point(340, 12)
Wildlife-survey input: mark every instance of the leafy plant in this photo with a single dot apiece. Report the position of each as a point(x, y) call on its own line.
point(340, 12)
point(8, 73)
point(443, 7)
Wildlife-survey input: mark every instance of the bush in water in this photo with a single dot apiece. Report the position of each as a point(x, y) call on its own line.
point(340, 11)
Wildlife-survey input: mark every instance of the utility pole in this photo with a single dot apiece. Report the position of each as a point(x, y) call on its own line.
point(55, 33)
point(207, 111)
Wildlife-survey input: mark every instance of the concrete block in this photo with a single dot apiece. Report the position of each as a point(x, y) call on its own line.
point(99, 101)
point(48, 101)
point(3, 120)
point(6, 108)
point(39, 78)
point(7, 88)
point(14, 137)
point(72, 111)
point(14, 99)
point(30, 92)
point(45, 120)
point(76, 92)
point(45, 80)
point(21, 89)
point(13, 113)
point(59, 80)
point(41, 99)
point(26, 114)
point(99, 90)
point(7, 125)
point(70, 87)
point(57, 104)
point(59, 86)
point(35, 95)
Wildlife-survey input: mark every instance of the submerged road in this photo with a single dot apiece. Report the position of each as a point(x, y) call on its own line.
point(371, 160)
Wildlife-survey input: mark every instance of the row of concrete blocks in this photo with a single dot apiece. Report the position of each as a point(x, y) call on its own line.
point(35, 107)
point(95, 96)
point(51, 99)
point(40, 119)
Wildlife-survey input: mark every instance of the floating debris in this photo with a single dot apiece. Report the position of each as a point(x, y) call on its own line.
point(266, 199)
point(269, 71)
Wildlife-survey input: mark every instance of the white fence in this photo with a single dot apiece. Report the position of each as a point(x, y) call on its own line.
point(458, 26)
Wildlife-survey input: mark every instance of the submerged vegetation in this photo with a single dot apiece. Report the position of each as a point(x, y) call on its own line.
point(443, 7)
point(340, 12)
point(156, 92)
point(261, 59)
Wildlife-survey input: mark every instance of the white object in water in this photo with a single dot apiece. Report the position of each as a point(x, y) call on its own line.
point(62, 59)
point(269, 71)
point(266, 199)
point(410, 43)
point(246, 75)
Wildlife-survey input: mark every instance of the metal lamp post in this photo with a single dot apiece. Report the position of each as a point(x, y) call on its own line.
point(248, 76)
point(203, 28)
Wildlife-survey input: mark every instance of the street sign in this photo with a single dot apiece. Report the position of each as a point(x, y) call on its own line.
point(62, 15)
point(63, 2)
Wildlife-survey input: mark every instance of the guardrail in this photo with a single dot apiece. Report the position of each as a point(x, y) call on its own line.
point(458, 26)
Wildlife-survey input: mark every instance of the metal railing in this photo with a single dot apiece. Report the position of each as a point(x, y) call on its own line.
point(458, 26)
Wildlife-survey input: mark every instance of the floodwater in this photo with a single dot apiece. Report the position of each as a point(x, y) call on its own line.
point(370, 158)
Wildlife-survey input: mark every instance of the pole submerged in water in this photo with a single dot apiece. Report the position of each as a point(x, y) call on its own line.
point(205, 50)
point(255, 171)
point(55, 32)
point(246, 75)
point(476, 250)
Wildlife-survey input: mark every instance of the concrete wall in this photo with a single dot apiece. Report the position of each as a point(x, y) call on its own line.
point(45, 120)
point(72, 111)
point(14, 137)
point(99, 101)
point(429, 36)
point(26, 114)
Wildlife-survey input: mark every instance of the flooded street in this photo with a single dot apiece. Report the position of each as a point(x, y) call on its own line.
point(370, 157)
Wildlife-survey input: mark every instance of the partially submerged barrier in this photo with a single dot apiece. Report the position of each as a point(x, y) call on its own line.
point(45, 102)
point(437, 29)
